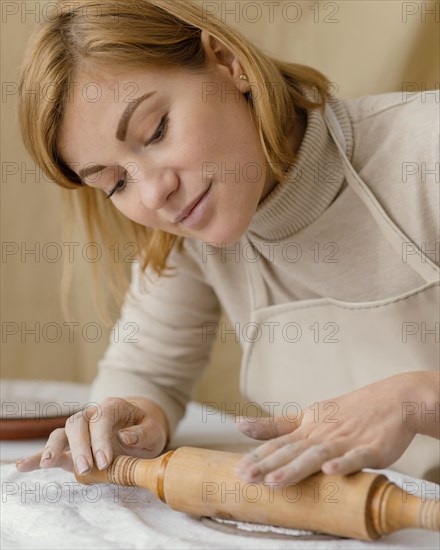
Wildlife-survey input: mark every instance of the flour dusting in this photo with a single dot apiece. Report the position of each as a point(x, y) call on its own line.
point(260, 528)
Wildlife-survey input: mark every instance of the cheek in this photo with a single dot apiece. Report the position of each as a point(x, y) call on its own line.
point(213, 132)
point(232, 157)
point(199, 141)
point(133, 209)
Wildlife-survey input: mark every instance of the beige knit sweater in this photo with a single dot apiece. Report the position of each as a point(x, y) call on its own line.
point(316, 239)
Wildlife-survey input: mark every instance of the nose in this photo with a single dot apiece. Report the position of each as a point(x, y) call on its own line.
point(155, 189)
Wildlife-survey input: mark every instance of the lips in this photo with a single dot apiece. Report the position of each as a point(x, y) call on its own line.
point(188, 209)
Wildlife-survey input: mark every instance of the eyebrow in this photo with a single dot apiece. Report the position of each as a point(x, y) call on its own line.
point(121, 132)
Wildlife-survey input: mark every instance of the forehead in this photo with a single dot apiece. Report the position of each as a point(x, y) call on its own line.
point(96, 100)
point(97, 90)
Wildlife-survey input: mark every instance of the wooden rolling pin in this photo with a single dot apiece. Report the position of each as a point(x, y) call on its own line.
point(202, 482)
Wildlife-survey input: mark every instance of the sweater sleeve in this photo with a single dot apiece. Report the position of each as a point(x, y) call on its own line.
point(160, 347)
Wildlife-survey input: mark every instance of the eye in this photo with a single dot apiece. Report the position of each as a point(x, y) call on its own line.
point(160, 132)
point(120, 185)
point(157, 136)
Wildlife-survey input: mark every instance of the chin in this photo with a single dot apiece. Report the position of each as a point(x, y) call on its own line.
point(224, 237)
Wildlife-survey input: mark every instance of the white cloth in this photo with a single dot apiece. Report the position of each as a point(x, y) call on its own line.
point(48, 509)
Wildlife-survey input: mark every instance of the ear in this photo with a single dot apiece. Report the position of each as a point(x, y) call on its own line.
point(221, 56)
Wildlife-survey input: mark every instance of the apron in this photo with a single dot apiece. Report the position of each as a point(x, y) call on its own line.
point(379, 338)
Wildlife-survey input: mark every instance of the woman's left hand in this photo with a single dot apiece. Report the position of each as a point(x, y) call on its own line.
point(362, 429)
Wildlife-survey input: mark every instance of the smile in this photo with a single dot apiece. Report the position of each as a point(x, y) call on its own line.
point(198, 210)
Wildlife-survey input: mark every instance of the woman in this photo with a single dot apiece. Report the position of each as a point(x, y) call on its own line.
point(302, 215)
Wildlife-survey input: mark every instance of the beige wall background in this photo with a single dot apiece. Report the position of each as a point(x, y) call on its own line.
point(363, 46)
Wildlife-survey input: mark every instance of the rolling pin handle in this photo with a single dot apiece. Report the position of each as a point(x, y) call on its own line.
point(392, 508)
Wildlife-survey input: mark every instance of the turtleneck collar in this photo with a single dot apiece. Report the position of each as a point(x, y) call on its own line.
point(311, 184)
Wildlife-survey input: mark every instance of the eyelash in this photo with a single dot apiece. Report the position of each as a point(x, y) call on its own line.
point(161, 130)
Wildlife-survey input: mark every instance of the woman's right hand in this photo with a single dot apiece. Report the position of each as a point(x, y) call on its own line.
point(99, 433)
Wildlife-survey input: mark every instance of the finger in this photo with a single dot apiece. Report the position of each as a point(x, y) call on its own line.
point(145, 440)
point(306, 462)
point(77, 431)
point(52, 456)
point(352, 461)
point(256, 471)
point(142, 440)
point(124, 413)
point(29, 463)
point(266, 428)
point(111, 413)
point(47, 456)
point(261, 452)
point(64, 461)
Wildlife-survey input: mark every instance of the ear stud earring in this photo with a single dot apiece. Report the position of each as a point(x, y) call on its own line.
point(243, 77)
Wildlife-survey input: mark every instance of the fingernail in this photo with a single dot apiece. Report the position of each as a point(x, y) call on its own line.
point(330, 467)
point(254, 471)
point(82, 465)
point(128, 438)
point(245, 419)
point(20, 462)
point(274, 477)
point(243, 466)
point(46, 455)
point(101, 460)
point(243, 474)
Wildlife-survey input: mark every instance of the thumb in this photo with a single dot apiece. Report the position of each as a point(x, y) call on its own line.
point(266, 428)
point(129, 436)
point(145, 440)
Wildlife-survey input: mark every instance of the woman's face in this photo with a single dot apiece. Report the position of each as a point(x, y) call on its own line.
point(190, 133)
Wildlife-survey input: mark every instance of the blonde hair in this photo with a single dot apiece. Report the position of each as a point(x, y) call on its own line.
point(139, 34)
